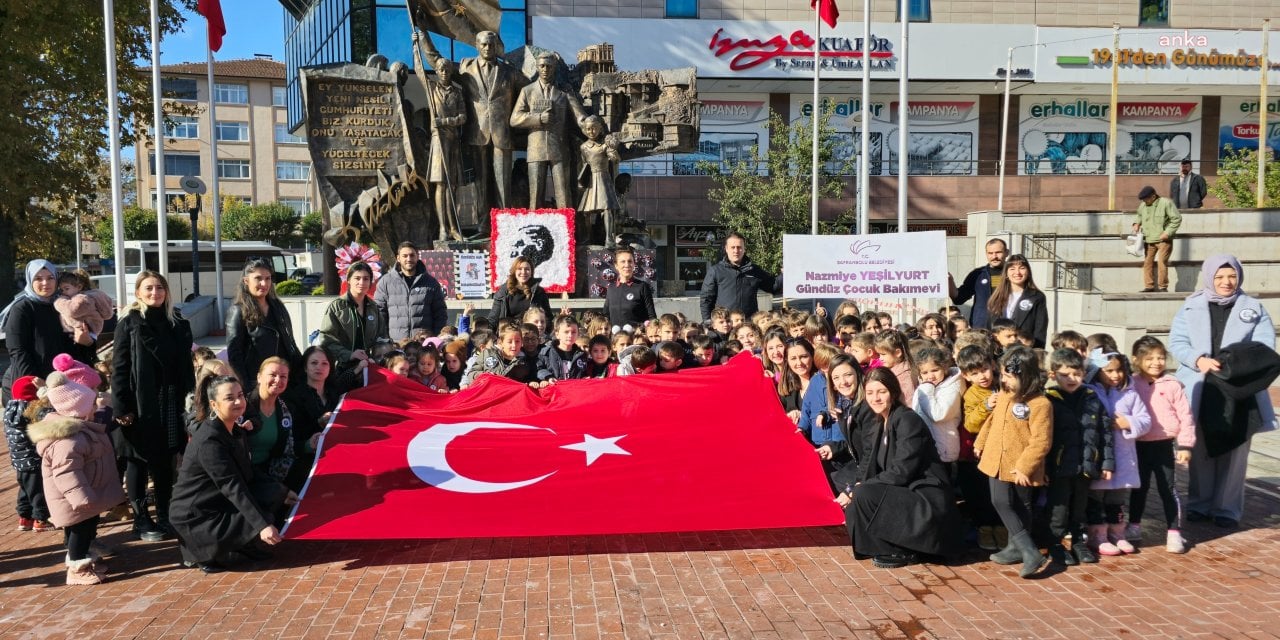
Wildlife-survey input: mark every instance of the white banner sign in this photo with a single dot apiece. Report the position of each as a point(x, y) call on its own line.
point(888, 265)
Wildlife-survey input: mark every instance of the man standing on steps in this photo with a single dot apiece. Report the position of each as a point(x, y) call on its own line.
point(1158, 220)
point(733, 282)
point(981, 282)
point(1188, 189)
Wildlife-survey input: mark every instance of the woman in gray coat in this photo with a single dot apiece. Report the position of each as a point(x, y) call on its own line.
point(1217, 316)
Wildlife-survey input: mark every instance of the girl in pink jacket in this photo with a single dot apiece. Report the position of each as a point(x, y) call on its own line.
point(1169, 440)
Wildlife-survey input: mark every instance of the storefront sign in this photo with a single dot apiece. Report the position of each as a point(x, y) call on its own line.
point(795, 51)
point(1060, 135)
point(890, 265)
point(1151, 56)
point(1239, 125)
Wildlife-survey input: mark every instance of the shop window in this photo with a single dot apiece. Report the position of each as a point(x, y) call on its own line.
point(1153, 13)
point(918, 10)
point(682, 8)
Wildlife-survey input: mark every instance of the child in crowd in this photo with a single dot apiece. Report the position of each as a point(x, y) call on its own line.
point(817, 330)
point(79, 469)
point(454, 357)
point(84, 311)
point(814, 401)
point(620, 340)
point(1076, 342)
point(736, 319)
point(561, 359)
point(749, 337)
point(978, 366)
point(429, 370)
point(504, 359)
point(538, 318)
point(933, 327)
point(600, 363)
point(637, 359)
point(729, 350)
point(598, 326)
point(399, 364)
point(704, 351)
point(1011, 450)
point(957, 326)
point(668, 327)
point(719, 327)
point(1172, 428)
point(939, 400)
point(1005, 332)
point(33, 511)
point(1082, 452)
point(531, 341)
point(201, 354)
point(1107, 498)
point(670, 356)
point(849, 308)
point(895, 355)
point(464, 318)
point(862, 347)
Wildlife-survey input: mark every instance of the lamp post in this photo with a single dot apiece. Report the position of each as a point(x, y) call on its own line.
point(194, 212)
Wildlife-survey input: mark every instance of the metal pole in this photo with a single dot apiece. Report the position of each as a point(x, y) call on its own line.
point(1004, 128)
point(903, 110)
point(113, 136)
point(1263, 117)
point(162, 205)
point(817, 107)
point(864, 166)
point(194, 212)
point(79, 244)
point(1115, 97)
point(217, 198)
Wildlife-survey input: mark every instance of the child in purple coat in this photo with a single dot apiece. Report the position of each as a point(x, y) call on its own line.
point(1107, 498)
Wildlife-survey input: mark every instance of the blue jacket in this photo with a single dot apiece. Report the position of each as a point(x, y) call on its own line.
point(812, 404)
point(976, 285)
point(1189, 338)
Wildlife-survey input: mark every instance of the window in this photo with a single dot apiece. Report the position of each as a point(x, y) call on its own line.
point(299, 205)
point(682, 8)
point(233, 169)
point(182, 127)
point(279, 97)
point(290, 170)
point(176, 199)
point(178, 164)
point(231, 93)
point(919, 10)
point(178, 88)
point(232, 131)
point(284, 137)
point(1153, 13)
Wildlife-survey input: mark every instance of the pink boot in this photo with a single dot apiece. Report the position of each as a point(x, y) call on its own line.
point(1100, 542)
point(1115, 533)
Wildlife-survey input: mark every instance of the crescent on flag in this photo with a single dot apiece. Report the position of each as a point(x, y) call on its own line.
point(426, 454)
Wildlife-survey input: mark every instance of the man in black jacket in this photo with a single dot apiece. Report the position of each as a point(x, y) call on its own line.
point(733, 282)
point(1188, 189)
point(409, 299)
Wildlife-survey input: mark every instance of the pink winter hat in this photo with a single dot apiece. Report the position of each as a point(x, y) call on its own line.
point(68, 397)
point(77, 371)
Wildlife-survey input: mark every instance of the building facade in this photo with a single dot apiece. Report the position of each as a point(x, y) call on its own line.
point(259, 159)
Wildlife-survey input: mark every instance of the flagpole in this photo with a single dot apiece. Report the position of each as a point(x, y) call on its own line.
point(162, 205)
point(113, 137)
point(864, 167)
point(1004, 128)
point(817, 110)
point(1263, 117)
point(1115, 96)
point(213, 165)
point(903, 112)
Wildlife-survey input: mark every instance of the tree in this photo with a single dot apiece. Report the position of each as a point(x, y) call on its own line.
point(275, 223)
point(140, 224)
point(764, 207)
point(1237, 183)
point(47, 233)
point(311, 228)
point(53, 92)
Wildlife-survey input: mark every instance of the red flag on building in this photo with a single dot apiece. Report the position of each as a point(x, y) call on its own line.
point(827, 10)
point(212, 12)
point(707, 449)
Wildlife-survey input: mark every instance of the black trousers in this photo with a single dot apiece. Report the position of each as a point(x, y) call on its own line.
point(1106, 506)
point(1013, 504)
point(1068, 497)
point(31, 502)
point(79, 536)
point(1156, 458)
point(975, 490)
point(162, 474)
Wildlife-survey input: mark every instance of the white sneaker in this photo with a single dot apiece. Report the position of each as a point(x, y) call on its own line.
point(1173, 542)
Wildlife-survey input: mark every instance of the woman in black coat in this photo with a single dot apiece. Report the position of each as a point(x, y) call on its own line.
point(33, 331)
point(902, 504)
point(258, 325)
point(219, 505)
point(1020, 300)
point(519, 293)
point(312, 402)
point(151, 375)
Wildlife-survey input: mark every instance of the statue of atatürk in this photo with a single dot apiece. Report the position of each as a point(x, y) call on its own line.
point(542, 108)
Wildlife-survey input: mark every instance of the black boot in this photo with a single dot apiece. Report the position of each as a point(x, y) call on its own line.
point(1081, 550)
point(143, 528)
point(1032, 559)
point(1060, 555)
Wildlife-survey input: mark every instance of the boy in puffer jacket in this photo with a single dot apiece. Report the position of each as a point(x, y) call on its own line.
point(33, 513)
point(79, 469)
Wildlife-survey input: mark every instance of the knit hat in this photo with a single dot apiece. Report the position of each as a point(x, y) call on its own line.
point(70, 398)
point(26, 388)
point(77, 371)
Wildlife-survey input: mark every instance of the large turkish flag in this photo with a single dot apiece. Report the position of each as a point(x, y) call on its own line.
point(707, 449)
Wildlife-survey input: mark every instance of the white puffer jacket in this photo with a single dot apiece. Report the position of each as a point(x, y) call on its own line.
point(942, 408)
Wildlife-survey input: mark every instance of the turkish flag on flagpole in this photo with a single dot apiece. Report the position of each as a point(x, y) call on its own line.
point(827, 10)
point(707, 449)
point(212, 12)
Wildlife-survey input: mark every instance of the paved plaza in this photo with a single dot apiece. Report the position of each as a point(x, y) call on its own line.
point(801, 583)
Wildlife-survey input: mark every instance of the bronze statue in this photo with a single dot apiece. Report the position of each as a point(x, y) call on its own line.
point(448, 111)
point(491, 86)
point(542, 108)
point(600, 159)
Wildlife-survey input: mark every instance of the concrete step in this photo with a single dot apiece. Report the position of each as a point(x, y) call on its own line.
point(1193, 247)
point(1141, 309)
point(1118, 222)
point(1184, 276)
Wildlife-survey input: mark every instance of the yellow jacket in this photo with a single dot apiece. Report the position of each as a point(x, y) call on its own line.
point(1008, 442)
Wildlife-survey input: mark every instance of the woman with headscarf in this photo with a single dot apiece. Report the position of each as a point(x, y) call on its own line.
point(1217, 316)
point(33, 329)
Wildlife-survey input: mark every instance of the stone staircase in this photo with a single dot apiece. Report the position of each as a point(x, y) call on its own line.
point(1092, 285)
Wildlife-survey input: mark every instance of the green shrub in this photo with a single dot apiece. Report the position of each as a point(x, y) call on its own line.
point(289, 288)
point(318, 291)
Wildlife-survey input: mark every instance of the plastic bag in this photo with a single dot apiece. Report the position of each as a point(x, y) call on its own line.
point(1135, 245)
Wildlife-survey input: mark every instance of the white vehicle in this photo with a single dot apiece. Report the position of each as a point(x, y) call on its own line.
point(140, 254)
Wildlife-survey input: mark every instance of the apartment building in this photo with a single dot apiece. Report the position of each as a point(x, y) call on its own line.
point(259, 159)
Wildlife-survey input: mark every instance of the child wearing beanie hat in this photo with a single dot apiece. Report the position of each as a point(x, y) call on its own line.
point(78, 466)
point(33, 512)
point(77, 371)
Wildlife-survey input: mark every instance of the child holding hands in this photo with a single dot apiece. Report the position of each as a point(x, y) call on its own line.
point(1169, 441)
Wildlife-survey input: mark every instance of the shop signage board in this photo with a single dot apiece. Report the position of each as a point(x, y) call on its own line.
point(1152, 56)
point(888, 265)
point(1064, 134)
point(1239, 125)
